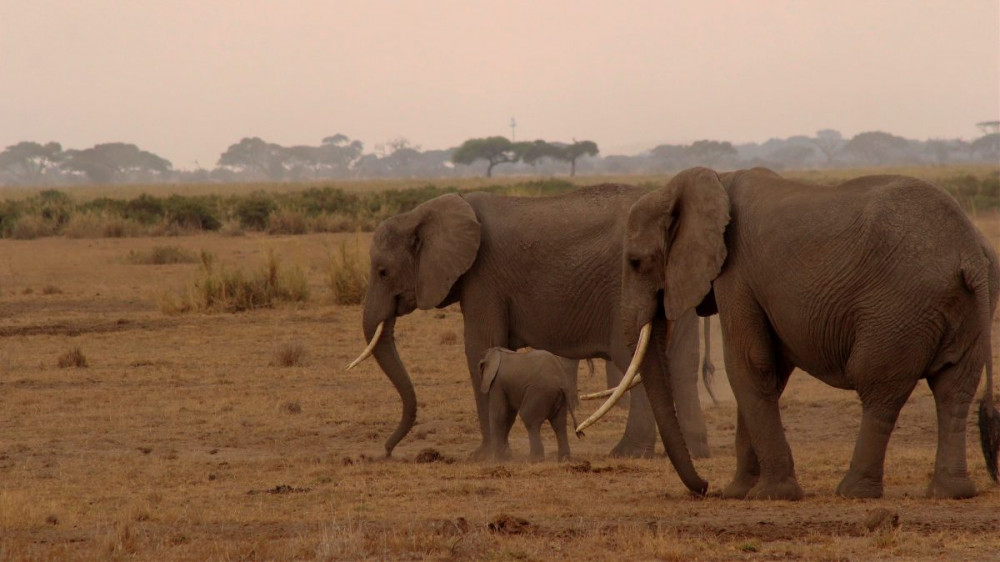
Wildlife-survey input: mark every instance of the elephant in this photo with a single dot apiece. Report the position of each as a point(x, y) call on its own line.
point(869, 285)
point(543, 272)
point(535, 385)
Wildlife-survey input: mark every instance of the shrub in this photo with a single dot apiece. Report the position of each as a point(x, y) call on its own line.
point(72, 358)
point(348, 274)
point(254, 212)
point(290, 355)
point(287, 221)
point(192, 212)
point(160, 255)
point(99, 225)
point(29, 227)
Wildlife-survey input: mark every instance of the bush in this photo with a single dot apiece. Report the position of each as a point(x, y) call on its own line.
point(255, 211)
point(287, 221)
point(72, 358)
point(29, 227)
point(290, 355)
point(198, 213)
point(348, 274)
point(160, 255)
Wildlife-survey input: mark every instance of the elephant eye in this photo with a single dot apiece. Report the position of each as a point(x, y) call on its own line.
point(635, 263)
point(382, 273)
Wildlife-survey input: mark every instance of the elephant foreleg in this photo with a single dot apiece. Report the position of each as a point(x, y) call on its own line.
point(476, 344)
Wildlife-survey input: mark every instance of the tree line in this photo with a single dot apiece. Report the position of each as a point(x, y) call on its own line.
point(340, 157)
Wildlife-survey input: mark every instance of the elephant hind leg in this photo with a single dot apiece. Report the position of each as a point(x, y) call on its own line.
point(883, 388)
point(558, 423)
point(953, 391)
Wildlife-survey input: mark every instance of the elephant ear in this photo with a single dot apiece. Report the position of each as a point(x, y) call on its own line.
point(697, 247)
point(446, 242)
point(488, 367)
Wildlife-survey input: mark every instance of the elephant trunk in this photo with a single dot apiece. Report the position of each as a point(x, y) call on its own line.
point(388, 360)
point(658, 389)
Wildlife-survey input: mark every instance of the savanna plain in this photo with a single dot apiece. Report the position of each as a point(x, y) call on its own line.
point(136, 426)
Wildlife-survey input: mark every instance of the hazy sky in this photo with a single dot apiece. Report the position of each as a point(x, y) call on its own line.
point(187, 78)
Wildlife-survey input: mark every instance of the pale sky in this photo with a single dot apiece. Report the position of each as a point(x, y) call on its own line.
point(187, 78)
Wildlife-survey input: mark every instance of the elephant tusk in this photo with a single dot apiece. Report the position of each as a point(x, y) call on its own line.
point(368, 350)
point(633, 369)
point(610, 391)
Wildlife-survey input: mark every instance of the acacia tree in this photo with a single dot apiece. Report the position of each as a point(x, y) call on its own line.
point(114, 162)
point(28, 161)
point(876, 147)
point(254, 155)
point(828, 141)
point(570, 153)
point(495, 150)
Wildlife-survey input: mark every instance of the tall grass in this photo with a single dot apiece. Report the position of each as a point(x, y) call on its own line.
point(225, 289)
point(348, 273)
point(288, 208)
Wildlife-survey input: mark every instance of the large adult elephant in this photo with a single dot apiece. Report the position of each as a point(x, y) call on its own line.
point(539, 272)
point(871, 285)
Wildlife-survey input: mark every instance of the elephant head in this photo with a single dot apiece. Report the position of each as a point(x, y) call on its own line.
point(674, 249)
point(416, 259)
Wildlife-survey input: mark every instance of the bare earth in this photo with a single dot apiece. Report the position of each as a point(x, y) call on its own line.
point(183, 439)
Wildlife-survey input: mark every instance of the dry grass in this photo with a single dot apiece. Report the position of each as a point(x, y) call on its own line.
point(72, 358)
point(182, 441)
point(161, 255)
point(348, 273)
point(290, 355)
point(231, 289)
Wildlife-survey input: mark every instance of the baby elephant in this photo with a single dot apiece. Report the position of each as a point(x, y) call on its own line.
point(535, 383)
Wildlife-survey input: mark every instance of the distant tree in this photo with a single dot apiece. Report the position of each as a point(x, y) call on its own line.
point(987, 147)
point(570, 153)
point(670, 156)
point(298, 158)
point(710, 153)
point(793, 155)
point(829, 142)
point(338, 154)
point(115, 162)
point(28, 161)
point(495, 150)
point(940, 150)
point(876, 147)
point(255, 156)
point(988, 127)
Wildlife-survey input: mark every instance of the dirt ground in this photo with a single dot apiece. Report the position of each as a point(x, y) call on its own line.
point(184, 439)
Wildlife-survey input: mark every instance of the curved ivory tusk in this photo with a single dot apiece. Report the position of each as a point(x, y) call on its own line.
point(633, 369)
point(368, 350)
point(610, 391)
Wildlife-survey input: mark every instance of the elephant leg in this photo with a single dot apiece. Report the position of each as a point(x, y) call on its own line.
point(756, 376)
point(953, 391)
point(558, 422)
point(747, 465)
point(501, 419)
point(864, 477)
point(682, 362)
point(537, 450)
point(639, 440)
point(476, 344)
point(613, 377)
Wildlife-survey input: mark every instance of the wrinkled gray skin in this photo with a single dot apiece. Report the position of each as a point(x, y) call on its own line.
point(871, 285)
point(528, 272)
point(535, 385)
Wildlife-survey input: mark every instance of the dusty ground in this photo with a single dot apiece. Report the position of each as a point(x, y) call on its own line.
point(183, 440)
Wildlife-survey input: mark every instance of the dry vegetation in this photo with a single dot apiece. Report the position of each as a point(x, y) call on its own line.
point(207, 436)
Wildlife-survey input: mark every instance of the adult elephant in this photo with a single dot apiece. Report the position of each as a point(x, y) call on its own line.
point(539, 272)
point(871, 285)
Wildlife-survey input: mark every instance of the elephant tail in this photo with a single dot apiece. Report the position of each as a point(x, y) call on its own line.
point(707, 368)
point(572, 415)
point(989, 417)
